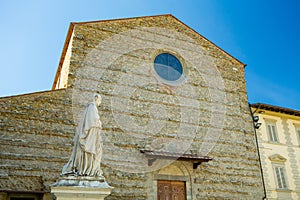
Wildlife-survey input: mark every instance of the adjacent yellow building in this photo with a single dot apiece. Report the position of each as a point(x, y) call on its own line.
point(279, 146)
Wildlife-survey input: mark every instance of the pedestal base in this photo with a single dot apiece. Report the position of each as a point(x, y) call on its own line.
point(83, 188)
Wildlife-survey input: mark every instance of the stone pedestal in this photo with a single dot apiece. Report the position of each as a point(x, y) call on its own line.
point(83, 188)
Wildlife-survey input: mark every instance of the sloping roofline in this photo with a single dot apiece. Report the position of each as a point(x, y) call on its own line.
point(71, 28)
point(31, 93)
point(276, 109)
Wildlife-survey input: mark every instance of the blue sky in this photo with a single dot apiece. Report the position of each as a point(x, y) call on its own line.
point(264, 34)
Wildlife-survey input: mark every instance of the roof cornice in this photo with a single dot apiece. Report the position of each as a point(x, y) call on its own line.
point(277, 109)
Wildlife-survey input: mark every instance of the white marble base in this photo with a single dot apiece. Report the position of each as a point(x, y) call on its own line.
point(83, 188)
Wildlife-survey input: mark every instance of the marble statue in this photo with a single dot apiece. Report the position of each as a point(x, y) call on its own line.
point(87, 151)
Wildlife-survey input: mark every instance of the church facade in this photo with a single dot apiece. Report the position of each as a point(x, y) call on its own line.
point(176, 123)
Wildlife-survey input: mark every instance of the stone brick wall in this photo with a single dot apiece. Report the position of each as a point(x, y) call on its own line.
point(35, 131)
point(116, 57)
point(206, 113)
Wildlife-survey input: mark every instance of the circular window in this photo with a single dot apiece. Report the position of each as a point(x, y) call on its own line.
point(168, 67)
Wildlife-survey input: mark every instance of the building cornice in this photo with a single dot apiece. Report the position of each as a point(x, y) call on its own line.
point(288, 111)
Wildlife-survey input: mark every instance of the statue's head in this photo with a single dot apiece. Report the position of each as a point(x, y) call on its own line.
point(97, 99)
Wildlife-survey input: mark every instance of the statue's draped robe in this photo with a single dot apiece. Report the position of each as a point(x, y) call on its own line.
point(87, 151)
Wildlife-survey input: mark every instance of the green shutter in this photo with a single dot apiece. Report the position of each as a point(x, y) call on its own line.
point(280, 176)
point(270, 132)
point(274, 133)
point(298, 131)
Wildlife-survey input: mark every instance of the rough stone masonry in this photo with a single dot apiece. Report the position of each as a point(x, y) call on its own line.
point(206, 112)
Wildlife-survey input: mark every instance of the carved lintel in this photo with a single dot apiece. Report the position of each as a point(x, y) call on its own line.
point(277, 158)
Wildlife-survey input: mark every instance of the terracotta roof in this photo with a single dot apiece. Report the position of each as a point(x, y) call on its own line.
point(278, 109)
point(71, 28)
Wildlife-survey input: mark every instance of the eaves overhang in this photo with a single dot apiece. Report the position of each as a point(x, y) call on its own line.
point(278, 109)
point(196, 159)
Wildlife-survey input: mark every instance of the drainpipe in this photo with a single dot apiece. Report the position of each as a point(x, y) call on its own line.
point(261, 170)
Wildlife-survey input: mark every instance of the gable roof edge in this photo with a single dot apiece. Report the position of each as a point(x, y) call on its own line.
point(71, 28)
point(63, 54)
point(170, 15)
point(210, 41)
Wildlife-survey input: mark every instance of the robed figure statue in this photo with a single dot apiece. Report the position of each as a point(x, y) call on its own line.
point(87, 151)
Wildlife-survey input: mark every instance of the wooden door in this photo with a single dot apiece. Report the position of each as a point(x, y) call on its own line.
point(171, 190)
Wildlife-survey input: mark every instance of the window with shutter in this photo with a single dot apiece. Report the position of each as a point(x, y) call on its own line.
point(272, 133)
point(280, 177)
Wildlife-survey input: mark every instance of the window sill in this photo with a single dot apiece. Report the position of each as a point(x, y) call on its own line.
point(275, 143)
point(283, 190)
